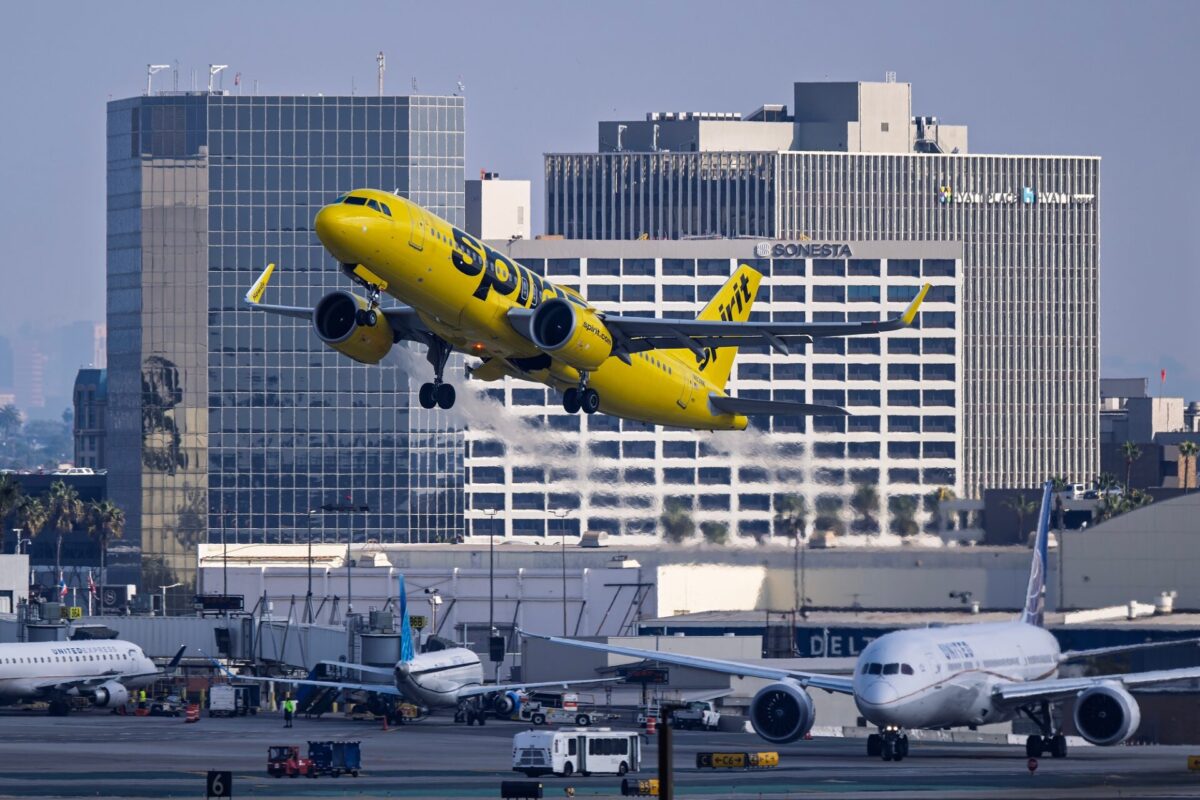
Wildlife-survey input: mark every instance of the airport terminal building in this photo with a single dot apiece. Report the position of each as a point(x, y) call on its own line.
point(852, 163)
point(541, 471)
point(230, 424)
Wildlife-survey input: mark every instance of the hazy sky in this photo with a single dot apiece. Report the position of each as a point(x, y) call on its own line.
point(1118, 80)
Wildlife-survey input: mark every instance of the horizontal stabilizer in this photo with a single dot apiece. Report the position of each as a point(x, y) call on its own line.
point(746, 405)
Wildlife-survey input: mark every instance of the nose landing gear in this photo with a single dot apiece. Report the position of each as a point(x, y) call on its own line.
point(437, 393)
point(581, 399)
point(890, 744)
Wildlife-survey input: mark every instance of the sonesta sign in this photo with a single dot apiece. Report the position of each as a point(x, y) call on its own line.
point(801, 250)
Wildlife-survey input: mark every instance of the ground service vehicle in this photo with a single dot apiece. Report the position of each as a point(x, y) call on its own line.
point(587, 751)
point(285, 759)
point(228, 700)
point(539, 714)
point(334, 758)
point(699, 714)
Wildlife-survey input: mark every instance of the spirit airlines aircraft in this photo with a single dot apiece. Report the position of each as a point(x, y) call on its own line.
point(460, 295)
point(947, 677)
point(103, 670)
point(447, 677)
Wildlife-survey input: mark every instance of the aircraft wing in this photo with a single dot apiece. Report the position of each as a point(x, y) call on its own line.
point(378, 688)
point(404, 320)
point(84, 682)
point(472, 691)
point(1053, 688)
point(830, 683)
point(638, 334)
point(1075, 655)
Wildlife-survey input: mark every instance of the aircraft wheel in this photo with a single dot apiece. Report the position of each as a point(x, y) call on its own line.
point(1058, 746)
point(590, 401)
point(59, 708)
point(427, 395)
point(1034, 747)
point(571, 401)
point(888, 749)
point(901, 747)
point(445, 396)
point(874, 745)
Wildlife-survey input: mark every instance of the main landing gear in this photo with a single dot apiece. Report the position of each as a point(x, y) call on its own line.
point(437, 393)
point(890, 744)
point(1051, 742)
point(581, 399)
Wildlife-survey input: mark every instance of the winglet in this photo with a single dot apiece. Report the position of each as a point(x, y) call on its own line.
point(254, 296)
point(910, 313)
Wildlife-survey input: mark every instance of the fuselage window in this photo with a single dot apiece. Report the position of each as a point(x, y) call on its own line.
point(906, 669)
point(891, 669)
point(875, 669)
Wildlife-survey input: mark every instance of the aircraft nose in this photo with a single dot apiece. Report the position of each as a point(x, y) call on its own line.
point(402, 671)
point(878, 693)
point(340, 228)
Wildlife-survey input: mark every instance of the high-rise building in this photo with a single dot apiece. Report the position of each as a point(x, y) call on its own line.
point(91, 405)
point(861, 167)
point(550, 473)
point(232, 425)
point(497, 208)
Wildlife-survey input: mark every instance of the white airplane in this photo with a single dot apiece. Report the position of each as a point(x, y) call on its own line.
point(948, 677)
point(103, 670)
point(447, 677)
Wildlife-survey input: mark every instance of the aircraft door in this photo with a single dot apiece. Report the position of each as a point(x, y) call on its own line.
point(416, 231)
point(688, 392)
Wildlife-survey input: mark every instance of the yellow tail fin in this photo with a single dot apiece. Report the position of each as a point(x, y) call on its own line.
point(731, 304)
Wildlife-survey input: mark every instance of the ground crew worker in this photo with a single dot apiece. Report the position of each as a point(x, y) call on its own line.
point(289, 711)
point(141, 698)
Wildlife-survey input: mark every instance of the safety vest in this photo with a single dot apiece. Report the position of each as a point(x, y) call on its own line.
point(289, 706)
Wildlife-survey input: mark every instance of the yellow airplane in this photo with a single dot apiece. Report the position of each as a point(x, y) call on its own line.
point(460, 295)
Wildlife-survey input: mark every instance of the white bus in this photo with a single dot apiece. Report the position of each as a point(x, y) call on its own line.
point(586, 751)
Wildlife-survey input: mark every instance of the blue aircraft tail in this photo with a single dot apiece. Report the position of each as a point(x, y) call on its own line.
point(407, 652)
point(1035, 595)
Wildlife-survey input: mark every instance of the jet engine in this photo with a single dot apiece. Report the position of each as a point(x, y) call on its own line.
point(572, 334)
point(782, 712)
point(110, 695)
point(506, 704)
point(1106, 714)
point(349, 325)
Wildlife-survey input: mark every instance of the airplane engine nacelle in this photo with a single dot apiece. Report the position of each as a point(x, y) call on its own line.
point(782, 712)
point(340, 325)
point(574, 335)
point(1107, 714)
point(110, 695)
point(507, 704)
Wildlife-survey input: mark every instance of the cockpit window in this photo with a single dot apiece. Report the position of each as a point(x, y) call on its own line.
point(865, 667)
point(386, 211)
point(891, 669)
point(906, 669)
point(874, 669)
point(373, 204)
point(351, 200)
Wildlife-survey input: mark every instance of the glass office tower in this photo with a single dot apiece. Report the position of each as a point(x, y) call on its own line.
point(232, 425)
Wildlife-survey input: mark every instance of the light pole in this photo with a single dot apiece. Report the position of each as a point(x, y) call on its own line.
point(163, 589)
point(308, 597)
point(435, 600)
point(348, 508)
point(225, 556)
point(491, 515)
point(562, 513)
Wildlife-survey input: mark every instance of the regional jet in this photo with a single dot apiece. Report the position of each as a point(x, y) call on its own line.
point(445, 676)
point(949, 677)
point(104, 671)
point(459, 295)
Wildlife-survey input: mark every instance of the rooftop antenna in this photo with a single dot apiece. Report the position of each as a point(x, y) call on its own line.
point(176, 72)
point(382, 65)
point(462, 88)
point(414, 84)
point(237, 82)
point(150, 70)
point(353, 87)
point(213, 70)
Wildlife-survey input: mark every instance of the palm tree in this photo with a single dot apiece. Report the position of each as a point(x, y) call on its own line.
point(1132, 453)
point(64, 510)
point(10, 495)
point(10, 418)
point(865, 502)
point(30, 516)
point(105, 521)
point(829, 515)
point(791, 518)
point(1188, 451)
point(715, 532)
point(676, 520)
point(904, 510)
point(1022, 507)
point(1106, 481)
point(933, 502)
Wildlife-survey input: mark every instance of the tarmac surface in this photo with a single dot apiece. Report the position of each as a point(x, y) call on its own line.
point(94, 754)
